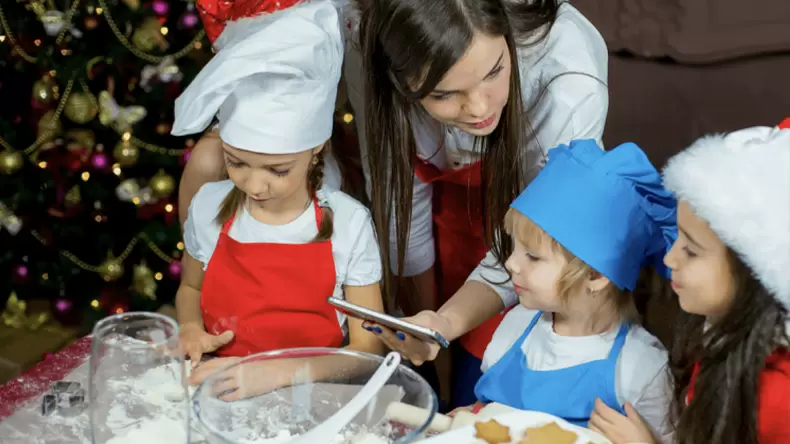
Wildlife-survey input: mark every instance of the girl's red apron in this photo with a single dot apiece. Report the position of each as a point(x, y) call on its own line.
point(459, 238)
point(272, 296)
point(774, 390)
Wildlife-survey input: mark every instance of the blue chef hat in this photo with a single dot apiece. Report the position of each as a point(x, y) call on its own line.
point(609, 209)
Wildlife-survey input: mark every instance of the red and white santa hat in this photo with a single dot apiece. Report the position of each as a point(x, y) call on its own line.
point(273, 82)
point(740, 184)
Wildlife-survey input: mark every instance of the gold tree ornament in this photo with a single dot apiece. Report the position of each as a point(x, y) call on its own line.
point(11, 161)
point(111, 269)
point(149, 36)
point(143, 281)
point(80, 139)
point(15, 315)
point(45, 90)
point(132, 4)
point(81, 107)
point(49, 127)
point(162, 184)
point(126, 153)
point(74, 196)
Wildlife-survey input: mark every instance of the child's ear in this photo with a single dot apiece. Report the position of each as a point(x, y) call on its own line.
point(597, 282)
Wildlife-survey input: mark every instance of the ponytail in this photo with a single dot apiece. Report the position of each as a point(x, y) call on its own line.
point(315, 179)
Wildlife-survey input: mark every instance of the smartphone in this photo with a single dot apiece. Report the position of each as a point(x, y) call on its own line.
point(366, 314)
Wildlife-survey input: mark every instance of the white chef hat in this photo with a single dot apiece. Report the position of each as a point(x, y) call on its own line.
point(272, 83)
point(740, 184)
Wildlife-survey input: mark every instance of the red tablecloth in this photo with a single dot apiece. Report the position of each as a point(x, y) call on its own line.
point(38, 379)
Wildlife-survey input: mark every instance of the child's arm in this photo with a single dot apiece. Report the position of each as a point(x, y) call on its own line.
point(205, 165)
point(188, 295)
point(194, 338)
point(368, 296)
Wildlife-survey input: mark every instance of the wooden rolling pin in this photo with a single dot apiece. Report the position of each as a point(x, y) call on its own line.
point(412, 416)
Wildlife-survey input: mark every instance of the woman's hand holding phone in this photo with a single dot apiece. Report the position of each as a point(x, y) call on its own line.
point(414, 349)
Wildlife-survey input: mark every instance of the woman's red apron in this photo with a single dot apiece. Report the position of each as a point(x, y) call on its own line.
point(459, 238)
point(259, 291)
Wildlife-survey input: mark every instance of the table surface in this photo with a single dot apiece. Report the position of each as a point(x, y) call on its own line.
point(37, 380)
point(20, 415)
point(21, 421)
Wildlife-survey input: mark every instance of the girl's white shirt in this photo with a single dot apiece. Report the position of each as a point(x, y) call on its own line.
point(641, 374)
point(354, 246)
point(563, 82)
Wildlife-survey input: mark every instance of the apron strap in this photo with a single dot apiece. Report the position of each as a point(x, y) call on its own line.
point(531, 325)
point(515, 349)
point(619, 340)
point(227, 224)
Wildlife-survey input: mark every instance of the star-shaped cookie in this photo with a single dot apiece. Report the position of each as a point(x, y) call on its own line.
point(548, 434)
point(492, 432)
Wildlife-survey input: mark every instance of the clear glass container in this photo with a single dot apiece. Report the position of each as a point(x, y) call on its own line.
point(275, 396)
point(137, 383)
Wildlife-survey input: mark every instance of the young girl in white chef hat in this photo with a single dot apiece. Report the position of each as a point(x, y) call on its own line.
point(268, 246)
point(731, 273)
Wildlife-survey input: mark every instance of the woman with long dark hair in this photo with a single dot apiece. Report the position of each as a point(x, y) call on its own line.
point(731, 272)
point(460, 100)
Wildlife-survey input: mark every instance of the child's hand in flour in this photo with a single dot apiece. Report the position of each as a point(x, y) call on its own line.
point(204, 369)
point(244, 380)
point(196, 341)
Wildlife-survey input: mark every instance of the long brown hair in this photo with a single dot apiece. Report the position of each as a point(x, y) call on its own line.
point(403, 40)
point(732, 353)
point(315, 177)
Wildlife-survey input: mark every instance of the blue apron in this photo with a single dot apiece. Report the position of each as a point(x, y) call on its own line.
point(568, 393)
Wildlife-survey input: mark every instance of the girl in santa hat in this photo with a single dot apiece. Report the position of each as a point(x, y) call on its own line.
point(265, 248)
point(731, 272)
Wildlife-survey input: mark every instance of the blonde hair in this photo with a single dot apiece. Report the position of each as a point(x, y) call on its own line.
point(315, 178)
point(575, 273)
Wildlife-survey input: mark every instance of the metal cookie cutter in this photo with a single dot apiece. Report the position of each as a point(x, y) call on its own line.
point(65, 397)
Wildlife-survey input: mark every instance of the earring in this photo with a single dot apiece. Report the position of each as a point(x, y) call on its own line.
point(315, 160)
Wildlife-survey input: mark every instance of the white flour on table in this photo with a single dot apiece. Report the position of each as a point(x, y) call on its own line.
point(154, 388)
point(161, 396)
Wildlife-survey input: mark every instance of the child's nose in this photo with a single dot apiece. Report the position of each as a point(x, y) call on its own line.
point(258, 185)
point(670, 259)
point(512, 266)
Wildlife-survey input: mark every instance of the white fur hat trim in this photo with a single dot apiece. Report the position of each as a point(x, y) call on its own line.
point(740, 184)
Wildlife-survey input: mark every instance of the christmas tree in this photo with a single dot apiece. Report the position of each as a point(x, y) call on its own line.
point(88, 168)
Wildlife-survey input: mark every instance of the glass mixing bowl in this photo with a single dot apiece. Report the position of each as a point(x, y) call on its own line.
point(272, 397)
